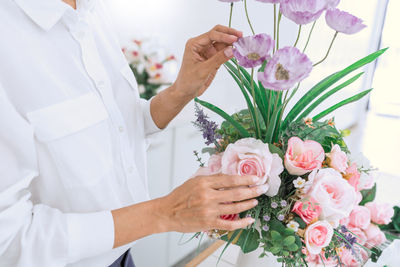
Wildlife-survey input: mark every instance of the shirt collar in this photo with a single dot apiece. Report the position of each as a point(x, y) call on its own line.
point(46, 13)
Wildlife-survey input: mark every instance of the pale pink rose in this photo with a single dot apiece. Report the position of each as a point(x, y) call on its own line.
point(359, 198)
point(344, 221)
point(316, 261)
point(335, 196)
point(250, 156)
point(360, 217)
point(308, 214)
point(359, 234)
point(349, 260)
point(337, 159)
point(303, 156)
point(380, 213)
point(317, 236)
point(214, 166)
point(367, 181)
point(352, 175)
point(375, 236)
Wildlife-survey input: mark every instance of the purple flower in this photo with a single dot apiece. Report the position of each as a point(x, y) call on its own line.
point(303, 11)
point(283, 203)
point(270, 1)
point(343, 22)
point(281, 217)
point(266, 228)
point(230, 1)
point(252, 51)
point(274, 205)
point(267, 218)
point(286, 68)
point(207, 127)
point(332, 3)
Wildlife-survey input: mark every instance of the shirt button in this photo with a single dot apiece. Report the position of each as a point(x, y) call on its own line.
point(121, 129)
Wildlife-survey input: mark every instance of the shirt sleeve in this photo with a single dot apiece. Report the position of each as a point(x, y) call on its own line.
point(35, 234)
point(149, 125)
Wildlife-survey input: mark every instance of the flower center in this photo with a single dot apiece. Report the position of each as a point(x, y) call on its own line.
point(253, 56)
point(281, 73)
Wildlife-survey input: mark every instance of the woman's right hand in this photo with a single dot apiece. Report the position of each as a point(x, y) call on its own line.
point(198, 204)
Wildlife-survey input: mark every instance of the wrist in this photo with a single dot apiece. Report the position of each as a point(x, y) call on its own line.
point(162, 217)
point(179, 94)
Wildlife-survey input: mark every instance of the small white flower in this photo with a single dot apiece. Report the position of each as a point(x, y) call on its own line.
point(299, 182)
point(293, 225)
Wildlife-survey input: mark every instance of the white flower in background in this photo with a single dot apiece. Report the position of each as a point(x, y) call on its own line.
point(142, 89)
point(293, 225)
point(299, 182)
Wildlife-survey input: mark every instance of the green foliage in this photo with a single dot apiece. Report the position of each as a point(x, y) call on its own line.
point(368, 195)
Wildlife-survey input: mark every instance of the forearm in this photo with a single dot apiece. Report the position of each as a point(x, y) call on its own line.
point(167, 104)
point(137, 221)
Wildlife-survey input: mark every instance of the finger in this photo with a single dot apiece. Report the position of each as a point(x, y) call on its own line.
point(228, 30)
point(213, 36)
point(210, 52)
point(238, 207)
point(230, 181)
point(218, 59)
point(242, 193)
point(233, 225)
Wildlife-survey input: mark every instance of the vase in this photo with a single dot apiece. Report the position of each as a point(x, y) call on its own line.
point(252, 260)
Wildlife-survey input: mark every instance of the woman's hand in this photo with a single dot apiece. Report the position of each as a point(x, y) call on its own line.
point(198, 204)
point(202, 58)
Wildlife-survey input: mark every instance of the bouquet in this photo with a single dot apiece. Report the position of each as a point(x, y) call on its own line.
point(319, 209)
point(148, 66)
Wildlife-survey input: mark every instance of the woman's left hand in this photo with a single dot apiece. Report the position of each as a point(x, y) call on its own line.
point(202, 58)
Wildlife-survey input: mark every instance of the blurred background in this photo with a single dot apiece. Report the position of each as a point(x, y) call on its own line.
point(374, 122)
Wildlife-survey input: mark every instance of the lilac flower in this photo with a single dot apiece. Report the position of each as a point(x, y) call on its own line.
point(343, 22)
point(286, 68)
point(266, 228)
point(332, 3)
point(303, 11)
point(270, 1)
point(283, 203)
point(252, 51)
point(281, 217)
point(207, 127)
point(274, 205)
point(267, 218)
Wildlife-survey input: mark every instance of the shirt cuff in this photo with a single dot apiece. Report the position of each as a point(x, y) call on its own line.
point(149, 125)
point(90, 234)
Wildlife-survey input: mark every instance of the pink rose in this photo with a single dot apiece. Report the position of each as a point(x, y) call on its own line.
point(317, 236)
point(380, 213)
point(349, 260)
point(250, 156)
point(360, 217)
point(316, 261)
point(375, 236)
point(214, 166)
point(353, 175)
point(359, 234)
point(309, 213)
point(337, 159)
point(359, 198)
point(344, 221)
point(367, 181)
point(303, 157)
point(335, 196)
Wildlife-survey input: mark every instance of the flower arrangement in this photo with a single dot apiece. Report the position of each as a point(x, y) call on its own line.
point(149, 70)
point(319, 209)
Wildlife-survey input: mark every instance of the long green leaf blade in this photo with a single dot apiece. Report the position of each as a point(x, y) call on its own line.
point(326, 83)
point(271, 127)
point(342, 103)
point(242, 131)
point(328, 94)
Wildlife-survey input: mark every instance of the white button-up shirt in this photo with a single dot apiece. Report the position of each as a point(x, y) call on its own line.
point(72, 134)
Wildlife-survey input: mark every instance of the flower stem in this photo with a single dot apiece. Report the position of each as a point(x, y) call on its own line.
point(277, 30)
point(309, 36)
point(230, 16)
point(298, 36)
point(257, 122)
point(329, 50)
point(274, 24)
point(248, 18)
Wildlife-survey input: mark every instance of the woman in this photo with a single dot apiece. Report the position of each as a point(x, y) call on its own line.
point(72, 140)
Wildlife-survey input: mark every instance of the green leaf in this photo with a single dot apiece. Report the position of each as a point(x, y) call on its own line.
point(368, 195)
point(275, 250)
point(276, 235)
point(285, 253)
point(271, 127)
point(328, 94)
point(249, 240)
point(293, 247)
point(276, 150)
point(326, 83)
point(289, 240)
point(288, 231)
point(242, 131)
point(341, 104)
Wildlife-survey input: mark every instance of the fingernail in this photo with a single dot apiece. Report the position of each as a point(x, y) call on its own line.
point(251, 220)
point(255, 179)
point(255, 202)
point(228, 52)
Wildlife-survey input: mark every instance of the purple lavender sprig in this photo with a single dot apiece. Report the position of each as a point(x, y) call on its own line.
point(350, 239)
point(206, 126)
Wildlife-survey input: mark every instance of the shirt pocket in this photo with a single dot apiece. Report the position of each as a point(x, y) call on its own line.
point(78, 137)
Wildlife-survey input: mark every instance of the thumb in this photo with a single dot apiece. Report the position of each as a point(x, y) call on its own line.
point(219, 58)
